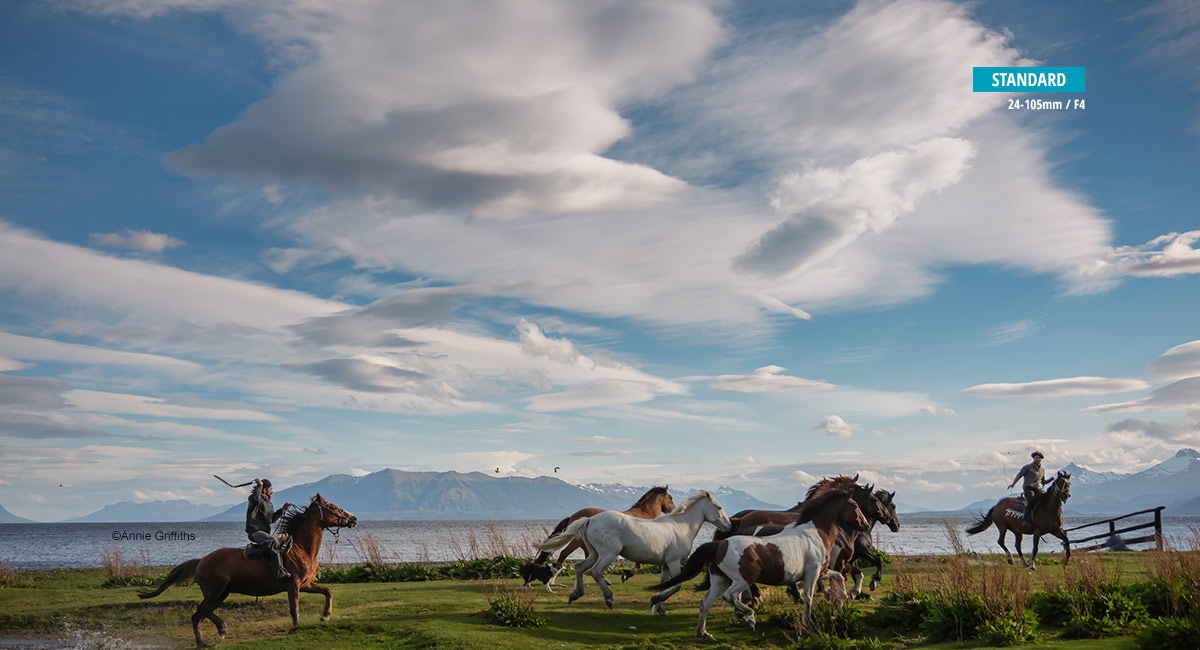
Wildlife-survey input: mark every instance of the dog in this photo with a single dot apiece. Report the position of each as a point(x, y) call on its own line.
point(542, 573)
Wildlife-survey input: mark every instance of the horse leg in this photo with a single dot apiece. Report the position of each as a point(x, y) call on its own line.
point(629, 573)
point(294, 603)
point(1061, 534)
point(733, 595)
point(673, 567)
point(603, 560)
point(811, 578)
point(1003, 534)
point(212, 598)
point(857, 591)
point(580, 569)
point(837, 597)
point(314, 588)
point(1019, 537)
point(1033, 558)
point(719, 584)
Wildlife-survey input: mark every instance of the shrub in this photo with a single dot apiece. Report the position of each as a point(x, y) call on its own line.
point(10, 578)
point(1093, 611)
point(1170, 634)
point(1009, 631)
point(507, 609)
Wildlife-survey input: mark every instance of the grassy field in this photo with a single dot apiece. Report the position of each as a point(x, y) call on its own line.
point(71, 603)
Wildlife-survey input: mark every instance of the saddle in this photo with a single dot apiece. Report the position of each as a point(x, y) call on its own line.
point(254, 551)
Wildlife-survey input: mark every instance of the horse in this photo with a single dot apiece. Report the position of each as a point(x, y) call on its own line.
point(653, 503)
point(665, 540)
point(800, 554)
point(227, 571)
point(864, 550)
point(876, 505)
point(1046, 517)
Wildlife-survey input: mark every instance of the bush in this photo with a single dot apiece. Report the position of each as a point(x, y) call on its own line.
point(1170, 634)
point(1009, 631)
point(1093, 611)
point(507, 609)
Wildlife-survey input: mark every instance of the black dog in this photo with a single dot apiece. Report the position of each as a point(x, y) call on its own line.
point(541, 573)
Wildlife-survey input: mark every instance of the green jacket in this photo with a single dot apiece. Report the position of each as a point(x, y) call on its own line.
point(259, 513)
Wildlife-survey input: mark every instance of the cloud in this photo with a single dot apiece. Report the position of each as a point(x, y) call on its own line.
point(102, 402)
point(835, 426)
point(356, 472)
point(316, 452)
point(33, 392)
point(593, 394)
point(1169, 255)
point(936, 410)
point(29, 425)
point(604, 440)
point(364, 375)
point(499, 110)
point(142, 241)
point(1178, 362)
point(766, 379)
point(1182, 394)
point(1070, 386)
point(9, 365)
point(42, 349)
point(604, 452)
point(1015, 331)
point(831, 208)
point(1185, 431)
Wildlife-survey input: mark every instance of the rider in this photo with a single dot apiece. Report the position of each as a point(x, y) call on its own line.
point(259, 517)
point(1034, 480)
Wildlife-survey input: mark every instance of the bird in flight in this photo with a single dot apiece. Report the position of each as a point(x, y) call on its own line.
point(497, 470)
point(556, 468)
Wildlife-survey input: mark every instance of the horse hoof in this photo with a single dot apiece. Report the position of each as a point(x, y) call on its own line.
point(1010, 560)
point(874, 584)
point(706, 637)
point(607, 582)
point(863, 597)
point(626, 575)
point(572, 598)
point(326, 617)
point(609, 602)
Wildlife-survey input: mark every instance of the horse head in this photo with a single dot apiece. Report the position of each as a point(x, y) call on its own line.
point(887, 501)
point(851, 516)
point(331, 516)
point(1062, 486)
point(668, 502)
point(714, 513)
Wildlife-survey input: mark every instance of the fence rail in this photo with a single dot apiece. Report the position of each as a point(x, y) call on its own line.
point(1110, 537)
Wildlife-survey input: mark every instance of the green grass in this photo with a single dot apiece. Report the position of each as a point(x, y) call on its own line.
point(433, 614)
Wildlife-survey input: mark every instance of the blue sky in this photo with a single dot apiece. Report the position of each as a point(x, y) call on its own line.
point(703, 243)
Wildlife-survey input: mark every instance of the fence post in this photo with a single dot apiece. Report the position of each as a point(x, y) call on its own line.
point(1158, 538)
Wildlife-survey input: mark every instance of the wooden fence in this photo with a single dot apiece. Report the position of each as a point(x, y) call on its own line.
point(1110, 538)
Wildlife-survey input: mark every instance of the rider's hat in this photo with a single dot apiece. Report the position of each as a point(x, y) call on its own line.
point(1037, 454)
point(266, 483)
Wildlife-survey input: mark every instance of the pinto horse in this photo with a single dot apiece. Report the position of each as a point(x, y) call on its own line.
point(226, 571)
point(1046, 517)
point(653, 503)
point(800, 554)
point(665, 540)
point(876, 505)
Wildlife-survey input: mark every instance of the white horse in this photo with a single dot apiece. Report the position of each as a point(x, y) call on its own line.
point(665, 540)
point(800, 554)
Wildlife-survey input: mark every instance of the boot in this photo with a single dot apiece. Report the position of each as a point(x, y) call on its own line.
point(276, 562)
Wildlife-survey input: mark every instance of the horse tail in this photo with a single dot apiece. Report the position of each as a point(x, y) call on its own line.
point(555, 542)
point(545, 555)
point(982, 524)
point(181, 572)
point(704, 555)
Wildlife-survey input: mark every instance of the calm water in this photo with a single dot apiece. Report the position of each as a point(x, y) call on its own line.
point(81, 545)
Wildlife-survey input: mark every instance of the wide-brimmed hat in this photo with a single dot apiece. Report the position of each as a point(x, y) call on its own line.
point(1037, 454)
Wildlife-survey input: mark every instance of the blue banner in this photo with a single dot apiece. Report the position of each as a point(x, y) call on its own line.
point(1027, 80)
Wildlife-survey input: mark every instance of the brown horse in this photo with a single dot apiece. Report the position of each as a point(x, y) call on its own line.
point(1046, 517)
point(799, 554)
point(653, 503)
point(873, 507)
point(226, 571)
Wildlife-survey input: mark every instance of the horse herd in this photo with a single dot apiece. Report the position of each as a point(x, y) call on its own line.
point(820, 538)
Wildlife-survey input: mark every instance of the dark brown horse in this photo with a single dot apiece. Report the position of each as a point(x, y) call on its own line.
point(653, 503)
point(1046, 517)
point(873, 506)
point(226, 571)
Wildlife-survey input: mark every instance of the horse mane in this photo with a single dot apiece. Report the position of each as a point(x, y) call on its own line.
point(648, 496)
point(827, 485)
point(290, 521)
point(682, 507)
point(815, 505)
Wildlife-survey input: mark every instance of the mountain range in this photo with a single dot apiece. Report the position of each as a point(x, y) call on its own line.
point(7, 517)
point(394, 494)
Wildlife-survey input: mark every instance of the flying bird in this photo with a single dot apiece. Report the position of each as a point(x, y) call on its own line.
point(556, 468)
point(497, 470)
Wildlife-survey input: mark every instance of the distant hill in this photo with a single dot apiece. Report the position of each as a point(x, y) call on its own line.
point(394, 494)
point(152, 511)
point(7, 517)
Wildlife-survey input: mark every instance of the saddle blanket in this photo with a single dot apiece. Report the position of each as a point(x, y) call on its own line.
point(1017, 508)
point(254, 551)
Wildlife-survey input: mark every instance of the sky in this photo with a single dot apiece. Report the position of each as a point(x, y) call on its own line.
point(696, 243)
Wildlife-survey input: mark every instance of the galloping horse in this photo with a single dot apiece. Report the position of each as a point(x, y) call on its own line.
point(877, 506)
point(665, 540)
point(1046, 517)
point(226, 571)
point(653, 503)
point(864, 550)
point(799, 554)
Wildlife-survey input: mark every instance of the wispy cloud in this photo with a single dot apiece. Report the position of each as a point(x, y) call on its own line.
point(1045, 389)
point(1014, 331)
point(142, 241)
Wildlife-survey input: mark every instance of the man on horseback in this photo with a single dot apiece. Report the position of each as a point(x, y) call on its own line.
point(259, 517)
point(1034, 476)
